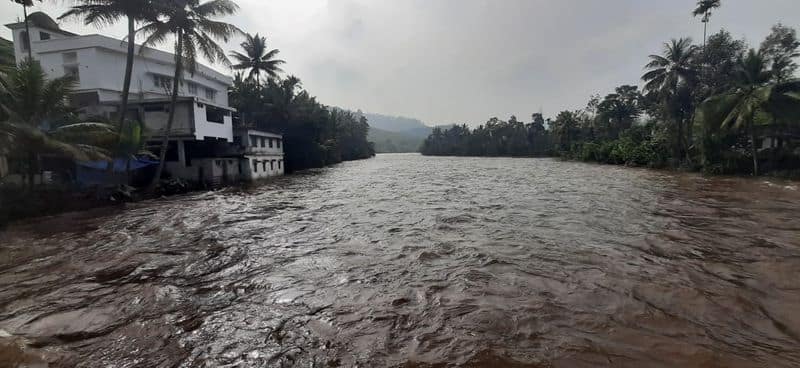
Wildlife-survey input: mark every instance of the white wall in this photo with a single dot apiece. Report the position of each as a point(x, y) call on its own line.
point(156, 121)
point(16, 34)
point(247, 136)
point(205, 128)
point(102, 66)
point(214, 171)
point(264, 167)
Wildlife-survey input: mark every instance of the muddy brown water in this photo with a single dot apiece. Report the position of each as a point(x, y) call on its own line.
point(411, 261)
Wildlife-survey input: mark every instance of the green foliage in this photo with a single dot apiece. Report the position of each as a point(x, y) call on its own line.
point(7, 60)
point(314, 135)
point(495, 138)
point(780, 48)
point(38, 120)
point(741, 103)
point(257, 58)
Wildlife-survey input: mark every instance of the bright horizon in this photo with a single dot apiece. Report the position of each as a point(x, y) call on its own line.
point(462, 61)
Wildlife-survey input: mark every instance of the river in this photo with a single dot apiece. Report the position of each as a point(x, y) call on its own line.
point(412, 261)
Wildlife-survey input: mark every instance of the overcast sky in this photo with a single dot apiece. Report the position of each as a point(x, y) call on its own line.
point(463, 61)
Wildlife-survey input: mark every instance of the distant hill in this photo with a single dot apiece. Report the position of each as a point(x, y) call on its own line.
point(393, 142)
point(397, 134)
point(399, 124)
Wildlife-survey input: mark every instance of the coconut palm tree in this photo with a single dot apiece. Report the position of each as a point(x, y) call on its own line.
point(670, 77)
point(34, 106)
point(100, 13)
point(754, 92)
point(257, 58)
point(192, 26)
point(704, 8)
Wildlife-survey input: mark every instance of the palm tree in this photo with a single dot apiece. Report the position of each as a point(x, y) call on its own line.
point(25, 4)
point(190, 23)
point(754, 92)
point(670, 77)
point(704, 8)
point(107, 12)
point(33, 105)
point(257, 58)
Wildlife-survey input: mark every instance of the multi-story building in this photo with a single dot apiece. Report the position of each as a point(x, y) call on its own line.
point(261, 153)
point(203, 123)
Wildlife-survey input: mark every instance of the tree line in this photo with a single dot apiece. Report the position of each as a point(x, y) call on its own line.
point(721, 107)
point(316, 135)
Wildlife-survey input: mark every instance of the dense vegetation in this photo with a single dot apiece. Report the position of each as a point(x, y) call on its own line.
point(315, 135)
point(720, 107)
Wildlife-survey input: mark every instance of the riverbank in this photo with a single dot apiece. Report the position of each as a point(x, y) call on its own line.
point(778, 173)
point(18, 203)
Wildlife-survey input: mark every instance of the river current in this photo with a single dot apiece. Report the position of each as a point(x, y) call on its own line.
point(412, 261)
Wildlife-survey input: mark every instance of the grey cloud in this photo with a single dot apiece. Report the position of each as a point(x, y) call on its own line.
point(467, 60)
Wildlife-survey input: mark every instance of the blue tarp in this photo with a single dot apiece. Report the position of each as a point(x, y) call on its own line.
point(119, 164)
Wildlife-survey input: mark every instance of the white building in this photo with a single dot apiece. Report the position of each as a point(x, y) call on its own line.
point(261, 153)
point(203, 120)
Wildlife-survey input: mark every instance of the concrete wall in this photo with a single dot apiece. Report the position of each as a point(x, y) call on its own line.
point(256, 142)
point(207, 171)
point(101, 62)
point(156, 121)
point(205, 128)
point(262, 167)
point(20, 53)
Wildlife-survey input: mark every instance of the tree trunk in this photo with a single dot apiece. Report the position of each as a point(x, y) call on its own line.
point(128, 171)
point(126, 86)
point(705, 31)
point(31, 170)
point(173, 102)
point(27, 32)
point(753, 149)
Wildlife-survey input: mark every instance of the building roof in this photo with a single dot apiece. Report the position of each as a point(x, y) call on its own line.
point(168, 99)
point(41, 20)
point(115, 45)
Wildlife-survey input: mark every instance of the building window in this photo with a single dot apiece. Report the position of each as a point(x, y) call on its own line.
point(280, 162)
point(270, 142)
point(272, 165)
point(69, 58)
point(73, 72)
point(155, 108)
point(161, 81)
point(44, 36)
point(26, 41)
point(278, 142)
point(215, 115)
point(211, 94)
point(253, 141)
point(263, 144)
point(255, 166)
point(192, 87)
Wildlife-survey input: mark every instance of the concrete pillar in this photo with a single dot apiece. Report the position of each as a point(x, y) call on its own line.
point(181, 153)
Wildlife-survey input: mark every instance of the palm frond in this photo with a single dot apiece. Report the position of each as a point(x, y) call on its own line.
point(216, 8)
